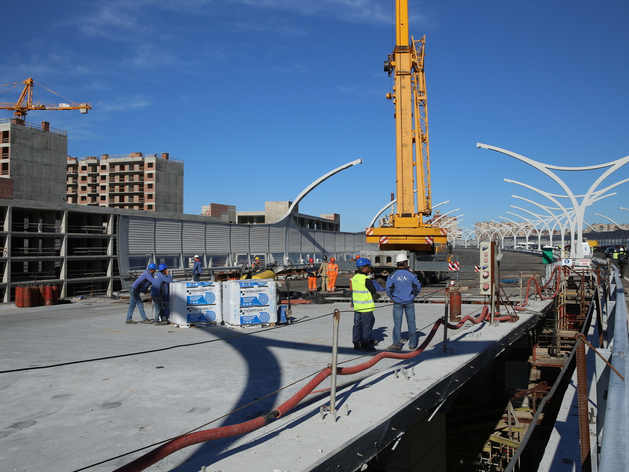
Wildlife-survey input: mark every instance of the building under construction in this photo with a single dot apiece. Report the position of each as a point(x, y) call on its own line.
point(84, 224)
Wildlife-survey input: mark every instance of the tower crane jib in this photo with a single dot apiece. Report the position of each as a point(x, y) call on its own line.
point(25, 103)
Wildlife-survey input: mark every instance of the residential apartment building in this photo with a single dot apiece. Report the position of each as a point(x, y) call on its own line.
point(134, 182)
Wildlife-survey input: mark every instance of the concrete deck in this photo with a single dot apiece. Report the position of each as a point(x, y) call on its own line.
point(82, 390)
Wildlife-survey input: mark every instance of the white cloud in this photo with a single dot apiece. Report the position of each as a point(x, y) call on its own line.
point(124, 103)
point(350, 10)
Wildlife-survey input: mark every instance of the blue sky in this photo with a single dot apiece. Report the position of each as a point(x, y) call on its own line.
point(261, 97)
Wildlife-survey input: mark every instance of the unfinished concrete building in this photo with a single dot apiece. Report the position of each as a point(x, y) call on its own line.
point(275, 211)
point(220, 212)
point(33, 161)
point(134, 182)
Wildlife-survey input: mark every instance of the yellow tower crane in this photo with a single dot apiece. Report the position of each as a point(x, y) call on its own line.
point(25, 102)
point(407, 230)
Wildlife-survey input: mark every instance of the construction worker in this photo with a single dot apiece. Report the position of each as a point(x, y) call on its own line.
point(312, 270)
point(141, 285)
point(196, 269)
point(402, 287)
point(257, 265)
point(363, 304)
point(159, 290)
point(621, 257)
point(333, 273)
point(323, 273)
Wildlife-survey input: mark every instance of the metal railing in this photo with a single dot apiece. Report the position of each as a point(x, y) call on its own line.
point(35, 251)
point(89, 229)
point(34, 126)
point(125, 156)
point(23, 227)
point(89, 251)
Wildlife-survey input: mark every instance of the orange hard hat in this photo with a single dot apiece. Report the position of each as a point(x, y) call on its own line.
point(332, 259)
point(358, 255)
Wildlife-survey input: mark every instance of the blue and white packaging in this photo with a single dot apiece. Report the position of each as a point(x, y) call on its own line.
point(195, 302)
point(201, 314)
point(247, 302)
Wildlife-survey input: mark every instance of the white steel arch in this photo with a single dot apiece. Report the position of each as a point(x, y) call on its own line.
point(316, 183)
point(590, 196)
point(521, 227)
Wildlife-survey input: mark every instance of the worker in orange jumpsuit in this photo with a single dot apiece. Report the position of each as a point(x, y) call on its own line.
point(333, 273)
point(312, 270)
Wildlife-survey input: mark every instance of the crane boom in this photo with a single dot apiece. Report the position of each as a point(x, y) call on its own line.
point(407, 230)
point(25, 103)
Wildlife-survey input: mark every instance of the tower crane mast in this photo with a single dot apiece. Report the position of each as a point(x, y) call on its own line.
point(407, 230)
point(25, 103)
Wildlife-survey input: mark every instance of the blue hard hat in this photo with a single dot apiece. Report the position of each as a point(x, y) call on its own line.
point(152, 266)
point(362, 261)
point(162, 267)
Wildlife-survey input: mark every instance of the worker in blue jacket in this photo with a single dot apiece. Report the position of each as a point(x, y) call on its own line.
point(197, 269)
point(402, 287)
point(159, 290)
point(141, 285)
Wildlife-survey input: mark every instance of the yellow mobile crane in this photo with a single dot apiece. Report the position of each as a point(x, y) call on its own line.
point(25, 102)
point(406, 230)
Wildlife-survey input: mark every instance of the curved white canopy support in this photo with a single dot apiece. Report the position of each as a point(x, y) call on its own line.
point(315, 184)
point(576, 222)
point(607, 218)
point(390, 204)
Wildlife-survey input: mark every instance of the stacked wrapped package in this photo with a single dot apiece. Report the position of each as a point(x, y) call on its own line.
point(195, 302)
point(249, 302)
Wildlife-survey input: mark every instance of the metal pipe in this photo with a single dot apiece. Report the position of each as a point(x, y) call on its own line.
point(445, 322)
point(335, 349)
point(289, 311)
point(582, 397)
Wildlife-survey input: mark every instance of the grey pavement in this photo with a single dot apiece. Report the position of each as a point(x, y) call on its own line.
point(82, 390)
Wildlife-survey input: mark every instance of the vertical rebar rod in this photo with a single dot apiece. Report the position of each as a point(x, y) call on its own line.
point(582, 396)
point(493, 303)
point(521, 288)
point(445, 323)
point(335, 350)
point(289, 311)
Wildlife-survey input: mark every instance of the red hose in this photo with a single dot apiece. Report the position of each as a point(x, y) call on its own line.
point(553, 276)
point(190, 439)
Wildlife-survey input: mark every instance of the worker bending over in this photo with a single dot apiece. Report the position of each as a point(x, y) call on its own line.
point(141, 285)
point(159, 290)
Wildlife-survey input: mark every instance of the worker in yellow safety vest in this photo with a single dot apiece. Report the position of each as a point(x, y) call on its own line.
point(333, 273)
point(363, 290)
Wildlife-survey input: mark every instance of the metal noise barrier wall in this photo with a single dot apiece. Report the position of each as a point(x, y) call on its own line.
point(614, 454)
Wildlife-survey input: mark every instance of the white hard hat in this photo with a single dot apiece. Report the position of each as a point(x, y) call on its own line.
point(196, 256)
point(401, 258)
